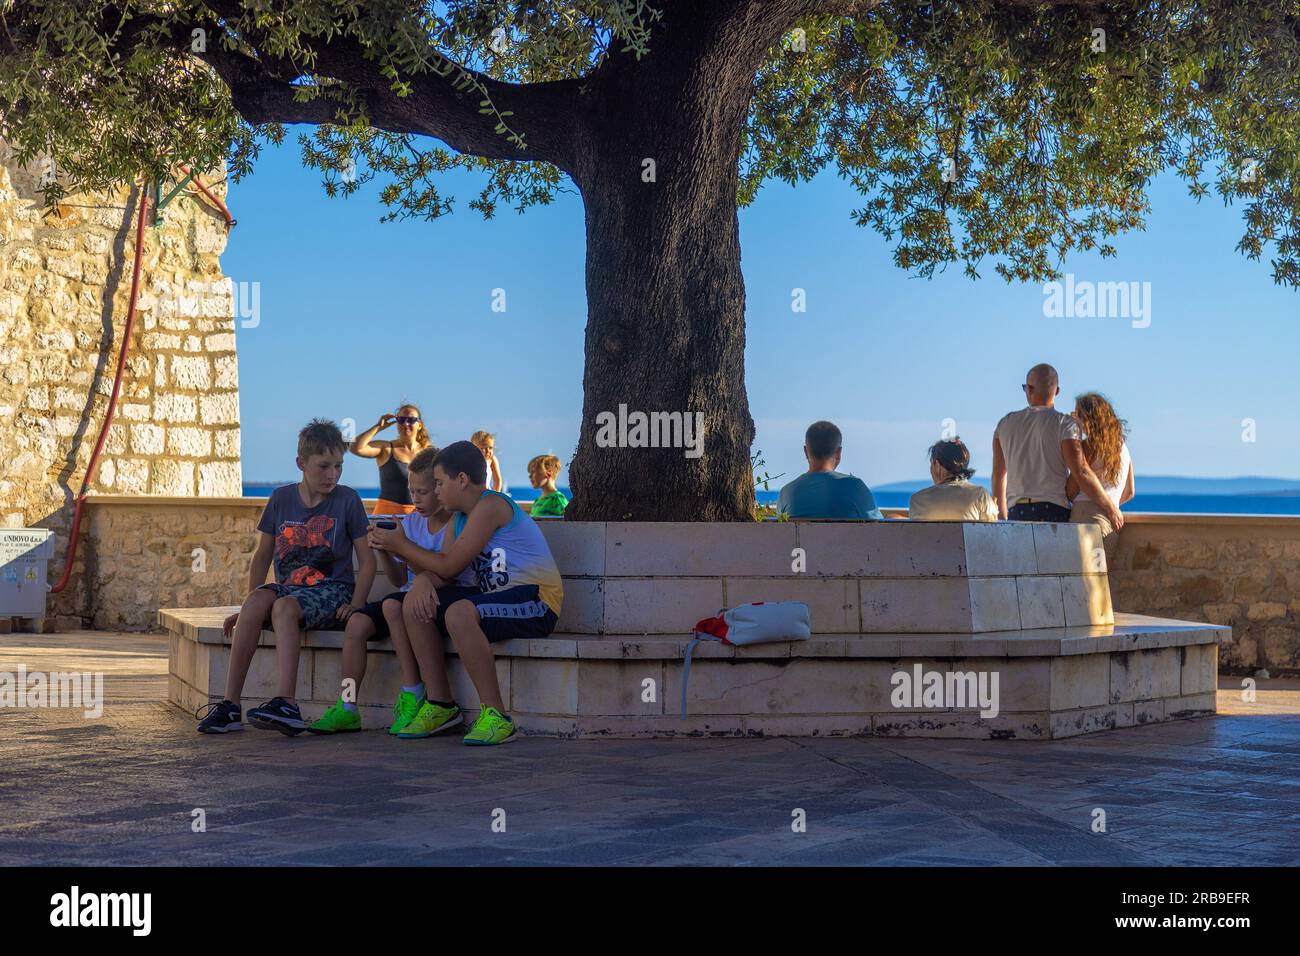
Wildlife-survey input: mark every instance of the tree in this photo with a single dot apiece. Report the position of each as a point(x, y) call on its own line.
point(1006, 132)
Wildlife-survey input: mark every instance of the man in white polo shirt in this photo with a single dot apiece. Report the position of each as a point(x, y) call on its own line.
point(1034, 452)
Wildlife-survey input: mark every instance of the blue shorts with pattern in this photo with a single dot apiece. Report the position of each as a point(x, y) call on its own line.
point(319, 602)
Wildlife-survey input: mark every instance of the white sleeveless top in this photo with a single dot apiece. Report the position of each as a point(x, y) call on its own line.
point(516, 554)
point(1121, 481)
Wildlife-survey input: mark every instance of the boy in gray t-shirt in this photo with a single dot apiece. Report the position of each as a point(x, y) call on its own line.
point(310, 530)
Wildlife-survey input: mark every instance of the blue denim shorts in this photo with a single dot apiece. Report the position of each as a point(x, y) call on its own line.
point(319, 602)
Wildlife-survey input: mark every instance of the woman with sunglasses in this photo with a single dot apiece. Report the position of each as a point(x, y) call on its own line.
point(393, 457)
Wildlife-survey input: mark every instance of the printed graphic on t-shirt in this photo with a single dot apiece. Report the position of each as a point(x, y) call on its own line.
point(490, 570)
point(303, 550)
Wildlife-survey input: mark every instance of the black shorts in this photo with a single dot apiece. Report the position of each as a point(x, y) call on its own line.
point(375, 611)
point(503, 615)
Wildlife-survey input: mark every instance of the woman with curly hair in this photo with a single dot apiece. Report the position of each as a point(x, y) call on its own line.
point(1107, 454)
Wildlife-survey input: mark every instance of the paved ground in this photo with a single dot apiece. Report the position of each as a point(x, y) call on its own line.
point(122, 790)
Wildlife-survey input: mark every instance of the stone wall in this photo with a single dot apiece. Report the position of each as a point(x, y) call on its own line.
point(142, 555)
point(65, 278)
point(1240, 571)
point(1223, 569)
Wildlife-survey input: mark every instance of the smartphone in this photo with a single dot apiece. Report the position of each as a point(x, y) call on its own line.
point(388, 524)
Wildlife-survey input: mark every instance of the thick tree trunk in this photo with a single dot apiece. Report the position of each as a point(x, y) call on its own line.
point(665, 333)
point(665, 305)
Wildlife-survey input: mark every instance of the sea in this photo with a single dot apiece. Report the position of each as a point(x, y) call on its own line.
point(1163, 504)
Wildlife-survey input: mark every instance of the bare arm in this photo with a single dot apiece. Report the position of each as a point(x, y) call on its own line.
point(261, 565)
point(393, 570)
point(1072, 452)
point(1130, 487)
point(999, 479)
point(365, 571)
point(366, 447)
point(490, 515)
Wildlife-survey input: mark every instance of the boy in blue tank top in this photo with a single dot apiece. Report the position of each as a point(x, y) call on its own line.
point(518, 592)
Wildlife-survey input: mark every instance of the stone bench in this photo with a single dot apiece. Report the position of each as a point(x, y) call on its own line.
point(1027, 602)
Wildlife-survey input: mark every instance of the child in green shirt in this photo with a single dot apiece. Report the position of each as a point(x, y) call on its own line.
point(542, 472)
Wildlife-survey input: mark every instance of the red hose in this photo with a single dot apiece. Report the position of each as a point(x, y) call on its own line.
point(112, 401)
point(121, 367)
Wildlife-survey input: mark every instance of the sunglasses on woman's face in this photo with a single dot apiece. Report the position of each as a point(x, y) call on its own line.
point(407, 420)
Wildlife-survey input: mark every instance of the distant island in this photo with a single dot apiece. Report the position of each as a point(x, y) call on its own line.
point(1165, 485)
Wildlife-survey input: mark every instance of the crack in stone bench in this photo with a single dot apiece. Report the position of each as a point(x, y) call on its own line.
point(1027, 602)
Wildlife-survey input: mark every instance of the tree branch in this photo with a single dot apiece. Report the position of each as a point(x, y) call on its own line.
point(434, 107)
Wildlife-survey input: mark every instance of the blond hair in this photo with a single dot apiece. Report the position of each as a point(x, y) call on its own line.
point(479, 438)
point(548, 465)
point(1104, 431)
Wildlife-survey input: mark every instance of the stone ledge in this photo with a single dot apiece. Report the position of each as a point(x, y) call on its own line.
point(1130, 632)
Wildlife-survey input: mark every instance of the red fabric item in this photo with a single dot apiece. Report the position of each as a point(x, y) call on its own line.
point(717, 626)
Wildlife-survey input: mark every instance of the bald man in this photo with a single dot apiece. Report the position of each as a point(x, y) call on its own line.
point(1035, 450)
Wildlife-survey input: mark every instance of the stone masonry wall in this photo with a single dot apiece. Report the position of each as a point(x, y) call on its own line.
point(1243, 572)
point(144, 555)
point(65, 278)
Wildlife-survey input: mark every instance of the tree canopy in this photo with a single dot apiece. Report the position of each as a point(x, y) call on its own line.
point(998, 133)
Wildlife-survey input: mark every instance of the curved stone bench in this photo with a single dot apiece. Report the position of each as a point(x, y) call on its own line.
point(1029, 603)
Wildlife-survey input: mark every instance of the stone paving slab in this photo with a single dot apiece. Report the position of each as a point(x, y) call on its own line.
point(120, 790)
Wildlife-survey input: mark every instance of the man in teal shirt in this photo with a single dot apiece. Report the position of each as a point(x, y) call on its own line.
point(824, 492)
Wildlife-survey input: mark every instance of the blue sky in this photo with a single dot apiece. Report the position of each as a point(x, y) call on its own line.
point(357, 316)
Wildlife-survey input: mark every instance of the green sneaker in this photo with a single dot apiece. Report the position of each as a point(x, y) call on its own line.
point(404, 711)
point(491, 728)
point(432, 719)
point(337, 720)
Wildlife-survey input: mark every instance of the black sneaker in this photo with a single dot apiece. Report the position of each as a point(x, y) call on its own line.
point(220, 717)
point(278, 714)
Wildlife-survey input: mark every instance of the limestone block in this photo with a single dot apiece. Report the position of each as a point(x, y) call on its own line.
point(147, 439)
point(1190, 705)
point(1081, 680)
point(1068, 548)
point(577, 546)
point(583, 610)
point(187, 442)
point(938, 604)
point(832, 602)
point(659, 605)
point(226, 443)
point(227, 372)
point(175, 408)
point(621, 688)
point(220, 479)
point(546, 686)
point(1145, 675)
point(1086, 598)
point(670, 548)
point(1199, 671)
point(1090, 720)
point(999, 548)
point(1189, 554)
point(994, 603)
point(190, 373)
point(219, 409)
point(1041, 602)
point(882, 549)
point(170, 477)
point(1266, 611)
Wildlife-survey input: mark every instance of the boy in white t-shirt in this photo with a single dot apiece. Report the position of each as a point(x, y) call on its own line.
point(424, 527)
